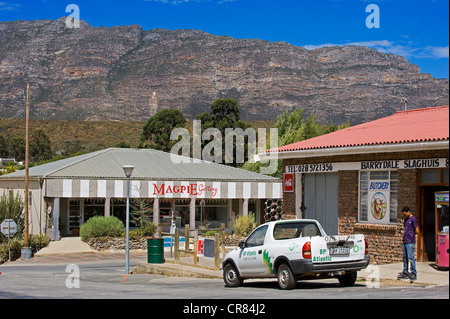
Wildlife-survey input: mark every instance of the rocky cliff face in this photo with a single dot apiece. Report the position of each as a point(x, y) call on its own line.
point(125, 73)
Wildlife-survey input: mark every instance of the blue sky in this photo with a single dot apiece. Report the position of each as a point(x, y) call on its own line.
point(415, 29)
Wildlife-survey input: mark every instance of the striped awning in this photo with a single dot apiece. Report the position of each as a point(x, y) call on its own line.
point(93, 188)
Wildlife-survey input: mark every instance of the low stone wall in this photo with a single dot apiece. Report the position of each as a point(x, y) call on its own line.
point(233, 240)
point(112, 243)
point(108, 243)
point(385, 241)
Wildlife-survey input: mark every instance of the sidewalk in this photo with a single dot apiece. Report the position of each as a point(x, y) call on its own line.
point(67, 245)
point(428, 273)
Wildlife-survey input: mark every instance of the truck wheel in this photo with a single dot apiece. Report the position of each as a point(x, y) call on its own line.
point(286, 279)
point(348, 280)
point(231, 276)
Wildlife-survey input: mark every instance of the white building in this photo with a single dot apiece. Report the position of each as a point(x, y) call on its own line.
point(66, 193)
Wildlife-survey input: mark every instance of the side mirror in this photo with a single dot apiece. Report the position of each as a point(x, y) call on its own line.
point(242, 245)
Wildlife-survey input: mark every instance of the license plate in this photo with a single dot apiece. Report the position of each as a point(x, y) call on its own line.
point(339, 251)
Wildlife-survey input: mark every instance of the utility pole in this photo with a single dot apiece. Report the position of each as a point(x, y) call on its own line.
point(27, 119)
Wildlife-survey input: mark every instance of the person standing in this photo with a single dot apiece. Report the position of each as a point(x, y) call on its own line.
point(409, 241)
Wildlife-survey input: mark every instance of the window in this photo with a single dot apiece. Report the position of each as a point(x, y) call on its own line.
point(394, 196)
point(295, 230)
point(74, 214)
point(363, 194)
point(430, 176)
point(434, 176)
point(378, 193)
point(257, 237)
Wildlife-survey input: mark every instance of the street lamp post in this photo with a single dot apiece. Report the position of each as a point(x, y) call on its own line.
point(128, 170)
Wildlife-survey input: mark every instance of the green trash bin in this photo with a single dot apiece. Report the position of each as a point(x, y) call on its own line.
point(155, 251)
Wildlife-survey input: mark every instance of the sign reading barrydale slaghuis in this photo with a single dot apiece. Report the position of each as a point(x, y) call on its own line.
point(369, 165)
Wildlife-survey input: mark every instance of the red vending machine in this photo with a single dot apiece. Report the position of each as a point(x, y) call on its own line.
point(442, 234)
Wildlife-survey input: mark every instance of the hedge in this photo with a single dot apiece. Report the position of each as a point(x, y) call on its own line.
point(100, 226)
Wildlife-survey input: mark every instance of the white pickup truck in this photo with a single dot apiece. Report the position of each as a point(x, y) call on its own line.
point(295, 249)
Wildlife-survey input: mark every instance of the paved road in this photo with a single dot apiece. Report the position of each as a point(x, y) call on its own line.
point(101, 276)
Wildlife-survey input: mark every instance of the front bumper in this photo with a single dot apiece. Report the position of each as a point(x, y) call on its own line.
point(305, 266)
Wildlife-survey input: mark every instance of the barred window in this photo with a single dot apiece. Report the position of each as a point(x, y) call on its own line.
point(363, 194)
point(394, 193)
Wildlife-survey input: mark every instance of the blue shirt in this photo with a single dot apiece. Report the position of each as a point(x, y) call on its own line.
point(409, 234)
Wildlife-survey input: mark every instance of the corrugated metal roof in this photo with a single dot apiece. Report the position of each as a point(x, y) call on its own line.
point(45, 169)
point(149, 164)
point(420, 125)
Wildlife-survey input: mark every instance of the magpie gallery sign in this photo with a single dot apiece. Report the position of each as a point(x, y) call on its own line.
point(186, 189)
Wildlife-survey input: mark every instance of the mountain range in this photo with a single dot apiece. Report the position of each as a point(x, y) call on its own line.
point(127, 73)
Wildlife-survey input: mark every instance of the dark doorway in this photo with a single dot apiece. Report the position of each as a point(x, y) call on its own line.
point(427, 222)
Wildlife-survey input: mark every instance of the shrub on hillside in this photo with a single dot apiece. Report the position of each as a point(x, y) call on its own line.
point(100, 226)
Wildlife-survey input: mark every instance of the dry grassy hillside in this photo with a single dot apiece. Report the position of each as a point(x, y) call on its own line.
point(87, 136)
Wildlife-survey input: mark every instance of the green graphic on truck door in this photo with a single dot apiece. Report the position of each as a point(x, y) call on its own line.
point(267, 262)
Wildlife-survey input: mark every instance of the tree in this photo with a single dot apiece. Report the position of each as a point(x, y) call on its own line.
point(334, 128)
point(141, 210)
point(3, 146)
point(156, 132)
point(40, 148)
point(290, 127)
point(123, 145)
point(16, 148)
point(293, 128)
point(225, 114)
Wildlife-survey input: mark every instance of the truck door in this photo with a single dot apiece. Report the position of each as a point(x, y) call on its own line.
point(250, 261)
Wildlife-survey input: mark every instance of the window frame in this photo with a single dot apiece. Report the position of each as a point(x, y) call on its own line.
point(364, 177)
point(265, 228)
point(304, 223)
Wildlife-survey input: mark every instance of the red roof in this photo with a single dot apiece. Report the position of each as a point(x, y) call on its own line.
point(420, 125)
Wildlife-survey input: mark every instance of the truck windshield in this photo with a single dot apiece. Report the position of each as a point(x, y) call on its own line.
point(295, 230)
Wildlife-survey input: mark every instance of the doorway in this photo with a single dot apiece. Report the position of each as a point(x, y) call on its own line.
point(427, 222)
point(321, 200)
point(75, 217)
point(430, 182)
